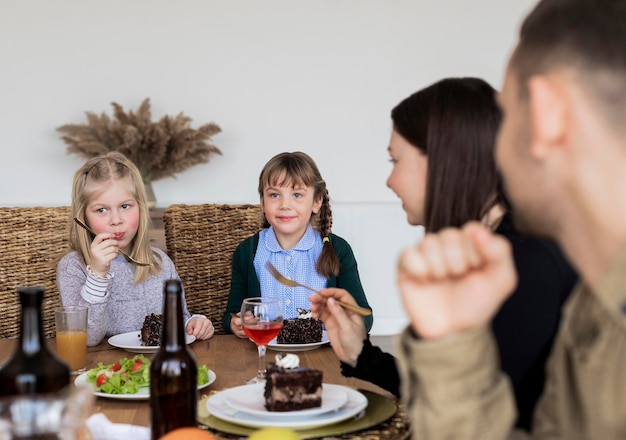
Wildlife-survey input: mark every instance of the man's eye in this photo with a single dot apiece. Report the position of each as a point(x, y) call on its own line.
point(297, 195)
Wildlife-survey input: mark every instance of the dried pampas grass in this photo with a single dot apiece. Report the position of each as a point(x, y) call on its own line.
point(159, 149)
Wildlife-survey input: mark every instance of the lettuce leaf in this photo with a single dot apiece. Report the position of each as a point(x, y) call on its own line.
point(203, 374)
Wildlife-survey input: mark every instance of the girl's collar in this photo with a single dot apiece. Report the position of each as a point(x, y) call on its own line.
point(306, 242)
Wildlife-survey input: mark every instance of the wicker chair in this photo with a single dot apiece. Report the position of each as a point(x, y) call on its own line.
point(31, 240)
point(200, 241)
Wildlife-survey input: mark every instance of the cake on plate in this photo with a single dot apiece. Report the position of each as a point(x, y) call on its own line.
point(289, 387)
point(301, 330)
point(151, 330)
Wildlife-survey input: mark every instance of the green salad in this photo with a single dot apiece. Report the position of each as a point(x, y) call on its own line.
point(128, 375)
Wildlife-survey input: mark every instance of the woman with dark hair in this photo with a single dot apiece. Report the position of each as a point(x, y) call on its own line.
point(452, 125)
point(442, 150)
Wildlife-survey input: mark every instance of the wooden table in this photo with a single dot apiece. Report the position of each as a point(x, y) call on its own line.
point(232, 359)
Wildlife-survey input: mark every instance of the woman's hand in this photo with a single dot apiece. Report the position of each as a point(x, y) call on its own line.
point(455, 280)
point(345, 329)
point(104, 249)
point(201, 327)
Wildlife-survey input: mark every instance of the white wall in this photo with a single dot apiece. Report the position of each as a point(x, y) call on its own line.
point(276, 75)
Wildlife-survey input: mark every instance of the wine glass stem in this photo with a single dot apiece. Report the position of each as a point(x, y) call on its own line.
point(261, 373)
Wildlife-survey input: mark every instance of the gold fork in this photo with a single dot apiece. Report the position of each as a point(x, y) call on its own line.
point(126, 256)
point(291, 283)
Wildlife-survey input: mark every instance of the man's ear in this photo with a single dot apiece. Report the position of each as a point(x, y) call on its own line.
point(548, 113)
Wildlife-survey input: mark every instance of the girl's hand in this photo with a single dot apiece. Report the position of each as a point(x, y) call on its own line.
point(455, 280)
point(104, 249)
point(201, 327)
point(237, 328)
point(345, 329)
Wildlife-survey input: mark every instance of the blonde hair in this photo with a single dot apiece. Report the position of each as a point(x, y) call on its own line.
point(97, 172)
point(298, 168)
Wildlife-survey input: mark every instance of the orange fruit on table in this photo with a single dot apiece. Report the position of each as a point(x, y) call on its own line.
point(188, 433)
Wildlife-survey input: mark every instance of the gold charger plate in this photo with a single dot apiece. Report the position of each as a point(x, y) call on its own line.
point(379, 408)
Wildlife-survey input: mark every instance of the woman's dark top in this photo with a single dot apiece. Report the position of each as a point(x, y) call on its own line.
point(524, 327)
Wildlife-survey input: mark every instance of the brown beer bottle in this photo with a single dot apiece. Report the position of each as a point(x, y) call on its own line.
point(32, 368)
point(173, 371)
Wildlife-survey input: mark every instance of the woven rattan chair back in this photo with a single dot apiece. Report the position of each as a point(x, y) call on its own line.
point(31, 241)
point(200, 241)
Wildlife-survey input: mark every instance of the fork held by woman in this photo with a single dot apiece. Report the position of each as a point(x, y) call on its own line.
point(291, 283)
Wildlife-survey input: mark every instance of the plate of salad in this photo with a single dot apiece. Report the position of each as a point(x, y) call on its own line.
point(129, 378)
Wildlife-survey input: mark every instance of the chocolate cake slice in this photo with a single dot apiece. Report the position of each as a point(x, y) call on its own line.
point(151, 330)
point(301, 330)
point(292, 389)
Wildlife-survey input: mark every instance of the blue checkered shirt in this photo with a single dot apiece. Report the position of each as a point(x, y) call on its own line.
point(297, 263)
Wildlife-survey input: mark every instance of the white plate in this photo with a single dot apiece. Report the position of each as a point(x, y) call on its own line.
point(273, 345)
point(249, 399)
point(142, 394)
point(131, 342)
point(217, 405)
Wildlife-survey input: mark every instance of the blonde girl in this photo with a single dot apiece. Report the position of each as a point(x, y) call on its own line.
point(108, 195)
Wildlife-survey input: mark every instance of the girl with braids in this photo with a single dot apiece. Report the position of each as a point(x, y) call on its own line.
point(296, 240)
point(109, 196)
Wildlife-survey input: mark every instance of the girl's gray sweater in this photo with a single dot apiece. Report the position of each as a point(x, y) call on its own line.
point(115, 303)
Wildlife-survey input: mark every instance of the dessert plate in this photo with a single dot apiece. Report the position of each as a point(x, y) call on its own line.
point(274, 345)
point(141, 394)
point(218, 406)
point(249, 399)
point(131, 342)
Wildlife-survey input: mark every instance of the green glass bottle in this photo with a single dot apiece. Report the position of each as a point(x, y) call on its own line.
point(173, 371)
point(32, 369)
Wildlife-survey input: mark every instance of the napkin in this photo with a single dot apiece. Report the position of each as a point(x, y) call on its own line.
point(102, 428)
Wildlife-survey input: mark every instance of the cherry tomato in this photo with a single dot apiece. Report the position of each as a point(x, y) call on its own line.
point(136, 366)
point(101, 380)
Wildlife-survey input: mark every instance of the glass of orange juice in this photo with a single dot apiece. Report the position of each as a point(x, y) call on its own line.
point(71, 333)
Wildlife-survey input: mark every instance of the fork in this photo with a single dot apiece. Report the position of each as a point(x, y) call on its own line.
point(291, 283)
point(126, 256)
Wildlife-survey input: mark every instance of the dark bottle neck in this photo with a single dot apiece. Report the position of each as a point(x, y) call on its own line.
point(173, 325)
point(31, 331)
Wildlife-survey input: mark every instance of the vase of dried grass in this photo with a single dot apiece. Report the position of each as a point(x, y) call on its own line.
point(150, 197)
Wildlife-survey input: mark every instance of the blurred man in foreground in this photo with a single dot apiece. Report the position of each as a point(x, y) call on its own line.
point(562, 152)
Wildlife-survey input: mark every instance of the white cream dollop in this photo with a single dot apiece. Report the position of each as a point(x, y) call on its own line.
point(305, 314)
point(288, 360)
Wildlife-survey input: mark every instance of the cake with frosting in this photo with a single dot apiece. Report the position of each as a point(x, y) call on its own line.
point(301, 330)
point(290, 387)
point(151, 330)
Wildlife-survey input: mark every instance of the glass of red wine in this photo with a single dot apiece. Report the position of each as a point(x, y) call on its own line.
point(262, 319)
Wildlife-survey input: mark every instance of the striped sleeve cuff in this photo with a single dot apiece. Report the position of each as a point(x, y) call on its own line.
point(95, 290)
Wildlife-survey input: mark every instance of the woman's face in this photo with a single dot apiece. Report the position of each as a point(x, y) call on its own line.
point(408, 177)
